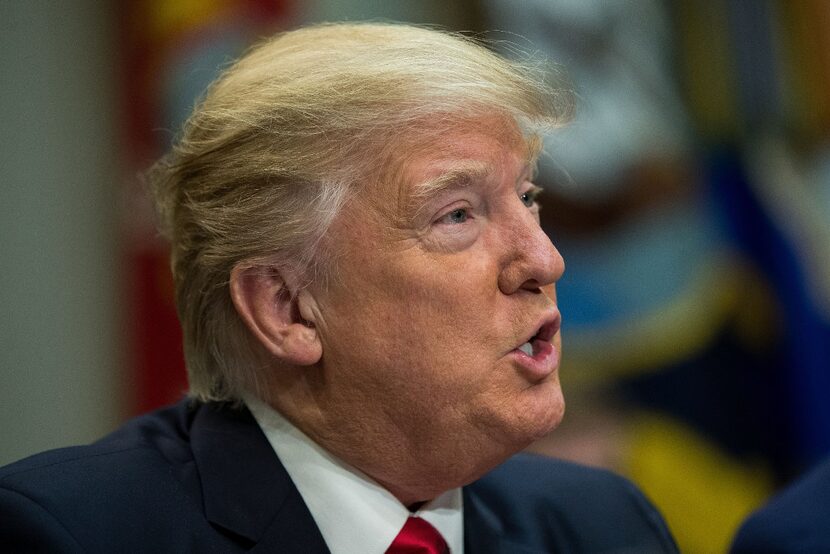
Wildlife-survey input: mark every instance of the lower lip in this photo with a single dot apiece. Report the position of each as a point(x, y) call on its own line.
point(541, 364)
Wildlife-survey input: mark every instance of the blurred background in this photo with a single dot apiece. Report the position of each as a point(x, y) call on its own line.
point(690, 199)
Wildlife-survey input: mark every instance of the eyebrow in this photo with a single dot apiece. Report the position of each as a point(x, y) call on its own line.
point(460, 176)
point(466, 173)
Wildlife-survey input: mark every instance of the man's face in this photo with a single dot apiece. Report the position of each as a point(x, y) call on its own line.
point(442, 279)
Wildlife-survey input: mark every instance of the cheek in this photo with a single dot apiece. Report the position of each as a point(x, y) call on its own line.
point(415, 312)
point(451, 311)
point(427, 335)
point(426, 294)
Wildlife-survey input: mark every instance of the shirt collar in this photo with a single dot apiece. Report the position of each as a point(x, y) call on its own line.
point(354, 513)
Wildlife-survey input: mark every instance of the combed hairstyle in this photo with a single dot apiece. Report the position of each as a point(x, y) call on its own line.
point(282, 139)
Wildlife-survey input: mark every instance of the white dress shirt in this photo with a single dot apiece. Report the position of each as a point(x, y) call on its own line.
point(355, 515)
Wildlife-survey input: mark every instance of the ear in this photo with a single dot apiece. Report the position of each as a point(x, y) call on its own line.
point(276, 315)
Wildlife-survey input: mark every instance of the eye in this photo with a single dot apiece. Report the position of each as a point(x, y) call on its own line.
point(529, 197)
point(459, 215)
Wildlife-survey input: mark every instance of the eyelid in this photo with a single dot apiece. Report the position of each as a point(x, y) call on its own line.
point(534, 193)
point(533, 190)
point(450, 209)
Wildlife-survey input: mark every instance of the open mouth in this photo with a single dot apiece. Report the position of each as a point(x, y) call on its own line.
point(536, 344)
point(537, 357)
point(527, 348)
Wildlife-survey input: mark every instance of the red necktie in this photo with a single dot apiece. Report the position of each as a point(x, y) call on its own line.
point(418, 537)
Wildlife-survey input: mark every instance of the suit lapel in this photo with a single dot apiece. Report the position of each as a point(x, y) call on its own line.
point(245, 488)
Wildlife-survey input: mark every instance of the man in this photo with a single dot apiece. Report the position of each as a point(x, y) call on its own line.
point(794, 521)
point(369, 319)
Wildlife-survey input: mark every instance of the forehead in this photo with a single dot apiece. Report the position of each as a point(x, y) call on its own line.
point(423, 165)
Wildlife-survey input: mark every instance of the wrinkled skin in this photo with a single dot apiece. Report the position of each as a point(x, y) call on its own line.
point(419, 384)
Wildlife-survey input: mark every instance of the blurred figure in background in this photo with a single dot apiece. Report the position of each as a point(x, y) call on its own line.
point(693, 234)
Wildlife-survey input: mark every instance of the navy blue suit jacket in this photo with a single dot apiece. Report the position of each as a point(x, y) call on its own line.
point(203, 478)
point(796, 520)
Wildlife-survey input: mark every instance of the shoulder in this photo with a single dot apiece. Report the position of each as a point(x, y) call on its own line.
point(793, 521)
point(528, 472)
point(75, 498)
point(559, 484)
point(145, 442)
point(595, 509)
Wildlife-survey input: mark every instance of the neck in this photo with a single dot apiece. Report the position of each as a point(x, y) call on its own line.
point(414, 466)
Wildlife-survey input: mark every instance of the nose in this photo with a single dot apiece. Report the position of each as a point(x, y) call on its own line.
point(531, 260)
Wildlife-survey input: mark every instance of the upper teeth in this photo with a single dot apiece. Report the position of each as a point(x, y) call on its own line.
point(527, 349)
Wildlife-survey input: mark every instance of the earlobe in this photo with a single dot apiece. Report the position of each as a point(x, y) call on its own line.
point(277, 316)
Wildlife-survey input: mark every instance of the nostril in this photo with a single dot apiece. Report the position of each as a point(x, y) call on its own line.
point(532, 285)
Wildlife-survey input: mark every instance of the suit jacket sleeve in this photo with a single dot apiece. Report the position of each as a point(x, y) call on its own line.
point(26, 526)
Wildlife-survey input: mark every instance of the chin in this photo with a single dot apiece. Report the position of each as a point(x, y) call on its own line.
point(505, 439)
point(544, 418)
point(556, 418)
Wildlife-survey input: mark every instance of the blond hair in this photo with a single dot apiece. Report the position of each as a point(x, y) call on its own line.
point(278, 143)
